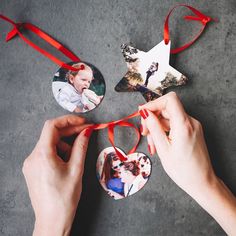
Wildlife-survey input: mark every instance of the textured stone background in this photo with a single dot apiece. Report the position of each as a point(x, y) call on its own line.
point(94, 30)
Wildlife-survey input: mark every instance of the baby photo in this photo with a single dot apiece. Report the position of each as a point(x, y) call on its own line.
point(78, 91)
point(122, 179)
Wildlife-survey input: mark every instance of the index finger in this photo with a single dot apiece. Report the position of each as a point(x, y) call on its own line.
point(170, 105)
point(52, 129)
point(68, 121)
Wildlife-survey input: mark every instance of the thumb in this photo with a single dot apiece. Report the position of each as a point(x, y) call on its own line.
point(79, 149)
point(156, 131)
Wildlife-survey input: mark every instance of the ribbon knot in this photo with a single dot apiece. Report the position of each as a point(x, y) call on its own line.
point(205, 20)
point(19, 25)
point(14, 31)
point(111, 136)
point(197, 17)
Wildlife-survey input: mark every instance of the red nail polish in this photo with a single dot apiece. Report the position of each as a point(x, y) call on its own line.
point(88, 132)
point(144, 113)
point(141, 128)
point(149, 149)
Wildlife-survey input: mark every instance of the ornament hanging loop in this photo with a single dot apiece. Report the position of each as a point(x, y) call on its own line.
point(16, 31)
point(111, 136)
point(198, 17)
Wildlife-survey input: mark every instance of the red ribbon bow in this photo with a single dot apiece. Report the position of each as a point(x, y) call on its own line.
point(123, 123)
point(198, 17)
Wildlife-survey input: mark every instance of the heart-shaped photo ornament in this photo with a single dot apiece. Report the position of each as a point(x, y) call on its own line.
point(121, 179)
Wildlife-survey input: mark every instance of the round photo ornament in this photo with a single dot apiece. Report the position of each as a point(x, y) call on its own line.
point(77, 86)
point(78, 91)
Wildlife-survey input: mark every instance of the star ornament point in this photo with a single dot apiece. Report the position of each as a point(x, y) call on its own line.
point(149, 72)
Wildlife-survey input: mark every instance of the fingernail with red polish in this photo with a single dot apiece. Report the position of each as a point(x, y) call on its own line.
point(88, 132)
point(144, 113)
point(149, 149)
point(141, 128)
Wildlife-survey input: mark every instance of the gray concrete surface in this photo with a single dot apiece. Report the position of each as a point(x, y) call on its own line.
point(94, 30)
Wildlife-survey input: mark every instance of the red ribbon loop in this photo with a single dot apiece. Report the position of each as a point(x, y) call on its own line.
point(123, 123)
point(16, 31)
point(111, 139)
point(198, 17)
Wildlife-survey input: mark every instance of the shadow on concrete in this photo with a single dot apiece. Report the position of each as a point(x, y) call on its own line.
point(88, 207)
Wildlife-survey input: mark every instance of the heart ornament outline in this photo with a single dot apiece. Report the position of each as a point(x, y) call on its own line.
point(122, 179)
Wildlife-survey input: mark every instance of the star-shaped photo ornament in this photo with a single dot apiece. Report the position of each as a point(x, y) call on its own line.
point(149, 72)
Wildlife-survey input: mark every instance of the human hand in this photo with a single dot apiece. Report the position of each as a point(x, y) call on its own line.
point(183, 153)
point(179, 142)
point(55, 185)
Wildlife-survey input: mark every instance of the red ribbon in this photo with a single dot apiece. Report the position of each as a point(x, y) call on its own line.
point(198, 17)
point(16, 31)
point(123, 123)
point(17, 26)
point(110, 125)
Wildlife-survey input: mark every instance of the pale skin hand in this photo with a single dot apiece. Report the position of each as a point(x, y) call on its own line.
point(184, 157)
point(55, 185)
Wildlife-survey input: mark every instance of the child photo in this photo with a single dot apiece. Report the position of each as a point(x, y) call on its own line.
point(78, 91)
point(122, 179)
